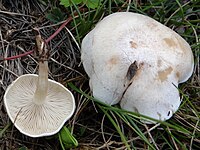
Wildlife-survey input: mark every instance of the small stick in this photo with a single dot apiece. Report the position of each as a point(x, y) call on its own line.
point(17, 56)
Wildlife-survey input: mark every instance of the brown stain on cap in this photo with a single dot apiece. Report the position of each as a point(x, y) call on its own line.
point(112, 62)
point(178, 75)
point(162, 75)
point(133, 44)
point(170, 42)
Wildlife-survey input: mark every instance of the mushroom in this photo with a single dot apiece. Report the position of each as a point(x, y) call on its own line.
point(37, 105)
point(136, 61)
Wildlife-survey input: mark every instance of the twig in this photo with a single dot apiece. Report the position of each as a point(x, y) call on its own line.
point(18, 56)
point(17, 14)
point(151, 136)
point(9, 70)
point(67, 67)
point(73, 38)
point(128, 7)
point(47, 40)
point(59, 29)
point(176, 147)
point(193, 134)
point(102, 133)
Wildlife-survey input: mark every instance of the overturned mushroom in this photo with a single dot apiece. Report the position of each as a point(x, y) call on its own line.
point(136, 61)
point(37, 105)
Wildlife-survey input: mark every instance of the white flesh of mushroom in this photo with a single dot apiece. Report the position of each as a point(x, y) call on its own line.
point(135, 60)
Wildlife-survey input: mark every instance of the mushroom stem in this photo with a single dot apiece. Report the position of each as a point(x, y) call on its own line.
point(42, 83)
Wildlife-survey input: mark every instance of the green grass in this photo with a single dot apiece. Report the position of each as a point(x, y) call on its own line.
point(114, 114)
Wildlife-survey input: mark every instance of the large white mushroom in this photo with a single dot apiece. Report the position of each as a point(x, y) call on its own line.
point(136, 61)
point(37, 105)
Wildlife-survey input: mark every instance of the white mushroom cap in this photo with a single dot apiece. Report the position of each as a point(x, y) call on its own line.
point(38, 120)
point(135, 60)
